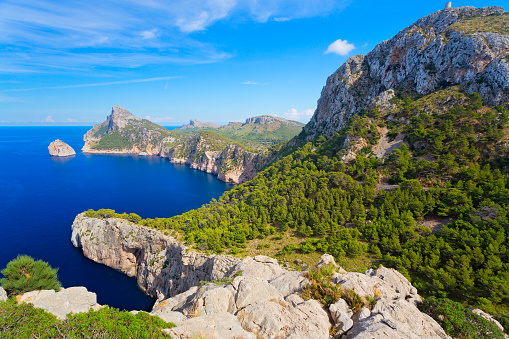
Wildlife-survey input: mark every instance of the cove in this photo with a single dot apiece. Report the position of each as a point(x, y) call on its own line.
point(40, 195)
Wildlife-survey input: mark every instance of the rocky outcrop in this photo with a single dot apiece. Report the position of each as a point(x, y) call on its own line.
point(199, 124)
point(125, 133)
point(250, 297)
point(63, 302)
point(488, 317)
point(3, 294)
point(58, 148)
point(432, 53)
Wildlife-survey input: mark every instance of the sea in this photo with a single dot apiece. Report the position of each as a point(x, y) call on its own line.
point(40, 196)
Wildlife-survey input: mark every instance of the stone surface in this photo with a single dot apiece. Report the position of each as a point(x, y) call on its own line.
point(488, 317)
point(193, 123)
point(420, 58)
point(58, 148)
point(341, 315)
point(3, 294)
point(63, 302)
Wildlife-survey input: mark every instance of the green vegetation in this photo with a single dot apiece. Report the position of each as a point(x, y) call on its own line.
point(455, 168)
point(24, 274)
point(322, 289)
point(496, 23)
point(222, 281)
point(25, 321)
point(458, 321)
point(113, 141)
point(256, 136)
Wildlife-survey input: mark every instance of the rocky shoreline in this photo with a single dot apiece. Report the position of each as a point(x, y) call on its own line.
point(257, 297)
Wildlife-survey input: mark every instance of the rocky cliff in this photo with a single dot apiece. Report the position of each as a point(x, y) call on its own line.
point(463, 46)
point(124, 133)
point(252, 297)
point(58, 148)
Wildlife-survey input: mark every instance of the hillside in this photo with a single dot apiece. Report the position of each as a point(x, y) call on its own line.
point(258, 132)
point(230, 160)
point(402, 164)
point(461, 46)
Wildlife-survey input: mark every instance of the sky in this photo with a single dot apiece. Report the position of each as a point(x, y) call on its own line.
point(68, 62)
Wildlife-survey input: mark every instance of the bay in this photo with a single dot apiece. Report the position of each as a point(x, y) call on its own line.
point(40, 195)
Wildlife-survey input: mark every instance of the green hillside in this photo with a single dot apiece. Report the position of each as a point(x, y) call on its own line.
point(267, 131)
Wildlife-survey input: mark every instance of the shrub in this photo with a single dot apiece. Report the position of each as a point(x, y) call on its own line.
point(458, 321)
point(24, 274)
point(25, 321)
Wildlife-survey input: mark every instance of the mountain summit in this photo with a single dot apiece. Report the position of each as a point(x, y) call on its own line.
point(462, 46)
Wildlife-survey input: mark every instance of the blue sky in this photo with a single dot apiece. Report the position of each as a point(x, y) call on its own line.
point(212, 60)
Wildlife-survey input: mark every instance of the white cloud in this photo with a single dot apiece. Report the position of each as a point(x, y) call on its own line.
point(71, 120)
point(254, 83)
point(49, 118)
point(340, 47)
point(148, 34)
point(121, 82)
point(302, 116)
point(282, 19)
point(159, 119)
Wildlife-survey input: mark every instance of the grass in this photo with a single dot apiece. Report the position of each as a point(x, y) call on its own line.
point(492, 23)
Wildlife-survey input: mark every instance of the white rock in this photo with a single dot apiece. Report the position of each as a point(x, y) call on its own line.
point(59, 148)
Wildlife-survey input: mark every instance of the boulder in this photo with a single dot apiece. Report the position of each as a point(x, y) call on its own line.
point(216, 325)
point(289, 283)
point(341, 315)
point(58, 148)
point(63, 302)
point(488, 317)
point(3, 294)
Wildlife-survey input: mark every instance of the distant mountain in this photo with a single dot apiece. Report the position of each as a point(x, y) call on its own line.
point(198, 124)
point(257, 132)
point(231, 159)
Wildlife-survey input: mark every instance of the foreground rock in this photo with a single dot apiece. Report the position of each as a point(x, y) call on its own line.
point(263, 302)
point(3, 294)
point(59, 148)
point(63, 302)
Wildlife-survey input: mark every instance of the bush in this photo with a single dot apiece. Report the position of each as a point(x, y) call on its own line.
point(458, 321)
point(24, 274)
point(25, 321)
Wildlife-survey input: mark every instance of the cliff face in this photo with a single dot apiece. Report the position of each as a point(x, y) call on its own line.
point(260, 300)
point(442, 49)
point(124, 133)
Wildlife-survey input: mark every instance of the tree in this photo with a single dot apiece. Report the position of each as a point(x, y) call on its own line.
point(24, 274)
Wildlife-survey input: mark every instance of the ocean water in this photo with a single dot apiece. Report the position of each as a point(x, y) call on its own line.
point(40, 195)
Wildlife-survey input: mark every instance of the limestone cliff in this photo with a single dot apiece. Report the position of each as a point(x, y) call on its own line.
point(193, 123)
point(260, 300)
point(124, 133)
point(461, 46)
point(58, 148)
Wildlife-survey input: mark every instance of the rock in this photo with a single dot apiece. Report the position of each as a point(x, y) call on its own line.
point(58, 148)
point(326, 259)
point(488, 317)
point(289, 283)
point(217, 325)
point(362, 314)
point(276, 320)
point(341, 315)
point(251, 290)
point(3, 294)
point(396, 319)
point(63, 302)
point(420, 58)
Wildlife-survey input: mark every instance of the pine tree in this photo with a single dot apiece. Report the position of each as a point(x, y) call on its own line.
point(24, 274)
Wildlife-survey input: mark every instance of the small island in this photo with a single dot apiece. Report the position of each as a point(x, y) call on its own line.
point(58, 148)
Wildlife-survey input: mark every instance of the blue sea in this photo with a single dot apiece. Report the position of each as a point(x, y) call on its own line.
point(40, 195)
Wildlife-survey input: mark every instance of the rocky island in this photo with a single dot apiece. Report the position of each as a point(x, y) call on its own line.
point(58, 148)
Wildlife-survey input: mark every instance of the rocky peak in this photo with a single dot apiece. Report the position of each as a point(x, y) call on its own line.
point(430, 54)
point(193, 123)
point(120, 118)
